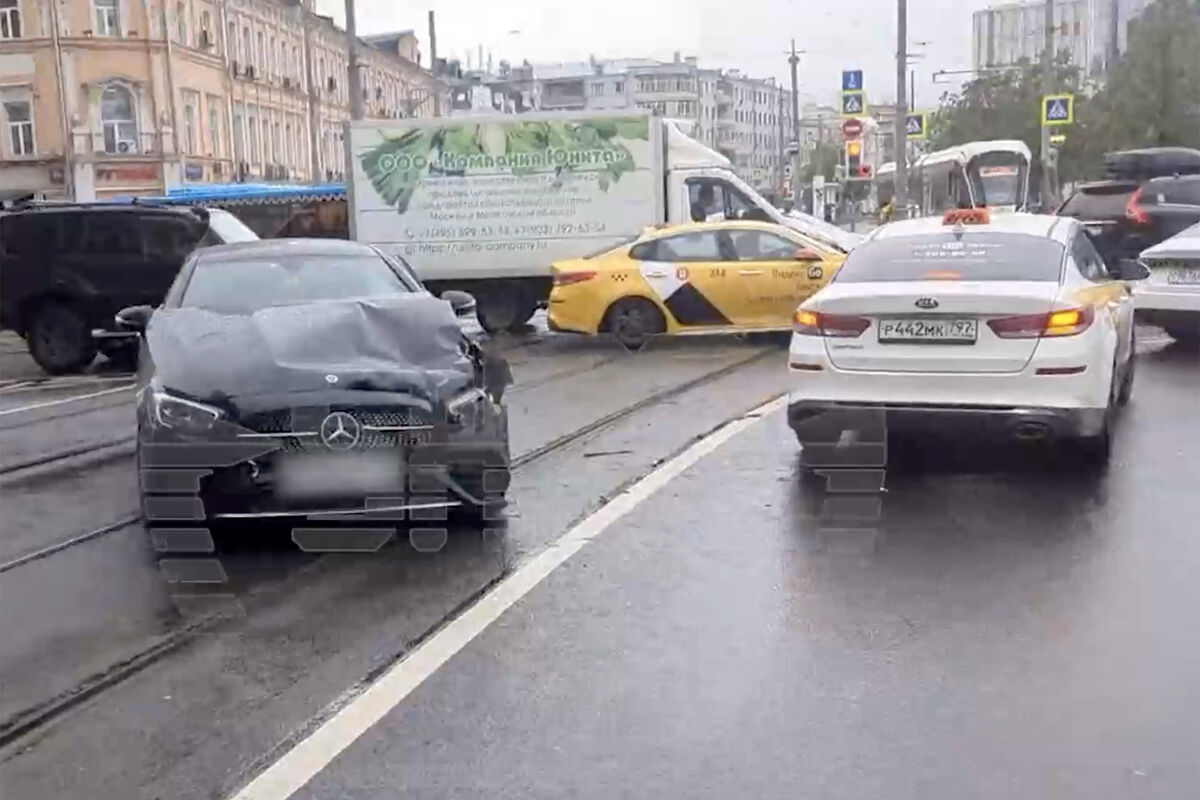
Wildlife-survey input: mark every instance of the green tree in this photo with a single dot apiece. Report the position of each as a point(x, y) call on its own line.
point(1152, 96)
point(821, 161)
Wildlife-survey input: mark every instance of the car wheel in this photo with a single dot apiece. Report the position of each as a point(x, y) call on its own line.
point(59, 338)
point(498, 310)
point(1126, 390)
point(1185, 334)
point(633, 320)
point(1096, 450)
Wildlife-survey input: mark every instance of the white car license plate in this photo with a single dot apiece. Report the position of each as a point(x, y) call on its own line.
point(311, 476)
point(954, 331)
point(1188, 276)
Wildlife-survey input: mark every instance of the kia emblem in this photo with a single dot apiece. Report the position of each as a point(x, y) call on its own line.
point(927, 302)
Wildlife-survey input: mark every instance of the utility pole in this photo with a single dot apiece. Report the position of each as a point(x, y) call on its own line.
point(900, 127)
point(433, 67)
point(779, 115)
point(355, 79)
point(1114, 35)
point(1048, 165)
point(793, 62)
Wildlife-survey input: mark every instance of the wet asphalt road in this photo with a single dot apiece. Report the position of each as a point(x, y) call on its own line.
point(1006, 626)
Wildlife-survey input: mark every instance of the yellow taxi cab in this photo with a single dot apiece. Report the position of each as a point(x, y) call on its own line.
point(732, 276)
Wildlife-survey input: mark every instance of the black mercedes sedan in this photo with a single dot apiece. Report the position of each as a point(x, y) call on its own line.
point(317, 379)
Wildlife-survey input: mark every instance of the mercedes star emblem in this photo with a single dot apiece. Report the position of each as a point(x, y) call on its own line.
point(340, 431)
point(927, 302)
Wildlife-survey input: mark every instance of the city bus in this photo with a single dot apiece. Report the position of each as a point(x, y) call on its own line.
point(273, 210)
point(995, 174)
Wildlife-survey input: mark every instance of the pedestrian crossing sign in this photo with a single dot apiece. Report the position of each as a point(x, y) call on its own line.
point(854, 103)
point(1058, 109)
point(915, 126)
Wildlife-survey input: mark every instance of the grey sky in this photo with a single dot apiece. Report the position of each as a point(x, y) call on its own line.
point(752, 36)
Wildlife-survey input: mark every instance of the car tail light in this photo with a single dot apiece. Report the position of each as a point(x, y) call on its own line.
point(1064, 322)
point(567, 278)
point(815, 323)
point(1134, 211)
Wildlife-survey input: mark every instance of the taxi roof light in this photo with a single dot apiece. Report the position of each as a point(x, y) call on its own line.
point(967, 216)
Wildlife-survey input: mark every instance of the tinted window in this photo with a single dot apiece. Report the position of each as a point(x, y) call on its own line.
point(1179, 191)
point(760, 246)
point(689, 247)
point(944, 256)
point(28, 234)
point(112, 235)
point(1087, 260)
point(1101, 202)
point(166, 240)
point(240, 287)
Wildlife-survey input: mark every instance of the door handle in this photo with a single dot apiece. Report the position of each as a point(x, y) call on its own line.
point(750, 272)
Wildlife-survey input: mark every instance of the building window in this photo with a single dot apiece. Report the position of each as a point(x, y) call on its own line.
point(247, 49)
point(272, 66)
point(190, 101)
point(108, 17)
point(10, 20)
point(205, 35)
point(239, 146)
point(214, 126)
point(20, 126)
point(259, 56)
point(118, 121)
point(296, 70)
point(181, 22)
point(231, 42)
point(619, 87)
point(252, 130)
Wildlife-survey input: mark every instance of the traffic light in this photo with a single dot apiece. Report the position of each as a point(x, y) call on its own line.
point(853, 157)
point(864, 171)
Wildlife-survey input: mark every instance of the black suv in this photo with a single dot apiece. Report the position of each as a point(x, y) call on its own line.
point(67, 268)
point(1150, 196)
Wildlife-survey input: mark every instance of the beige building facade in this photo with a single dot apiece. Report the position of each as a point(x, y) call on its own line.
point(102, 98)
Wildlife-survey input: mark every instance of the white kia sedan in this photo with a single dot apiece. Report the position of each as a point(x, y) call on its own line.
point(1011, 323)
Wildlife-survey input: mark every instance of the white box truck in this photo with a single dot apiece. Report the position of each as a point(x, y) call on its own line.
point(485, 204)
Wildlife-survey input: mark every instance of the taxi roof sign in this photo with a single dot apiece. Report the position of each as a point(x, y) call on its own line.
point(967, 216)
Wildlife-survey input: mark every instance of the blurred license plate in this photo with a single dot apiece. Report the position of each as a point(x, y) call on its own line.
point(958, 331)
point(1186, 275)
point(339, 474)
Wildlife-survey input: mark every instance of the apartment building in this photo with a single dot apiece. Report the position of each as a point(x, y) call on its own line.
point(1006, 33)
point(115, 97)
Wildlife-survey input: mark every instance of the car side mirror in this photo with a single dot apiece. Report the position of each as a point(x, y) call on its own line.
point(808, 254)
point(134, 318)
point(463, 303)
point(1129, 269)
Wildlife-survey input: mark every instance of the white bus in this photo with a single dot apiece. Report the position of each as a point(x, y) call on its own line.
point(995, 174)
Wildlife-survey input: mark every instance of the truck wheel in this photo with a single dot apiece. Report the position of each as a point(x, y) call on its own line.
point(633, 320)
point(59, 338)
point(498, 310)
point(525, 311)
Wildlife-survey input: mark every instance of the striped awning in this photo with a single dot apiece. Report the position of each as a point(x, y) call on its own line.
point(245, 194)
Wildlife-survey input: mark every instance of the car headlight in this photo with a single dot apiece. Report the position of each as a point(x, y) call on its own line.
point(185, 416)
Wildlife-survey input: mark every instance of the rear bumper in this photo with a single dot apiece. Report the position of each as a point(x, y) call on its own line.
point(1158, 297)
point(808, 419)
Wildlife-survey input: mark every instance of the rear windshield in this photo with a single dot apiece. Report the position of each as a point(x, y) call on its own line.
point(1101, 202)
point(1178, 191)
point(945, 256)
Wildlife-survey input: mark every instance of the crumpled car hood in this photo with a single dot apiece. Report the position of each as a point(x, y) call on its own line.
point(404, 343)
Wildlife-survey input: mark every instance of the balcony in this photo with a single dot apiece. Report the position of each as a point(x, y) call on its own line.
point(116, 143)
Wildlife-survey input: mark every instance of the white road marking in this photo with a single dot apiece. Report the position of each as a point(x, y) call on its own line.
point(299, 765)
point(63, 401)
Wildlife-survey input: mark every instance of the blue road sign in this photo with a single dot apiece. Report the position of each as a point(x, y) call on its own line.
point(1058, 109)
point(854, 103)
point(852, 80)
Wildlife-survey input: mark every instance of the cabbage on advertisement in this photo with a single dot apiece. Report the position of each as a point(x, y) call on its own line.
point(490, 199)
